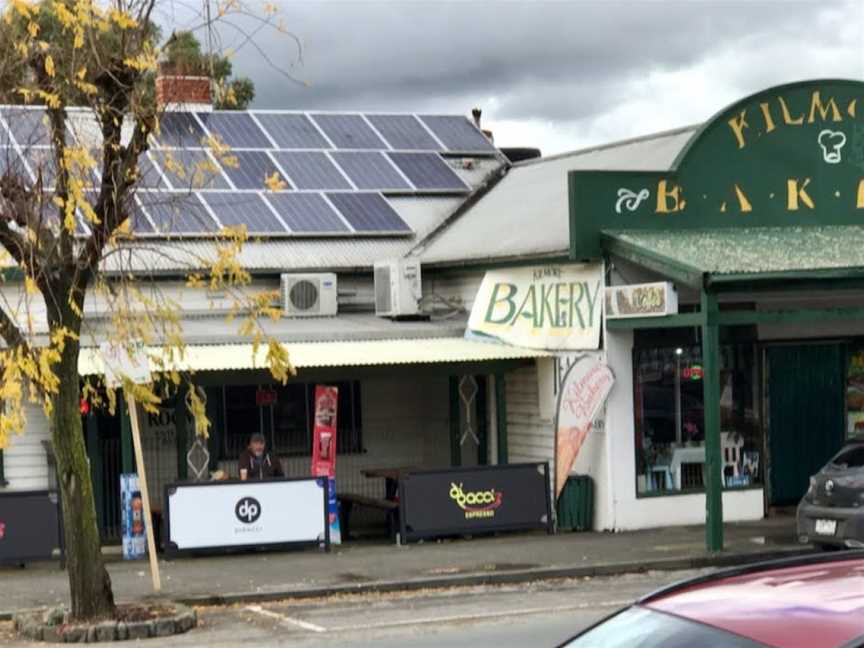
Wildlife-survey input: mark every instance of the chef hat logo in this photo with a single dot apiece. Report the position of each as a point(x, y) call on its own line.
point(831, 143)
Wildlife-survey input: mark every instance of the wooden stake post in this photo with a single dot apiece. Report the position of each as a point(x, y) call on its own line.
point(129, 362)
point(145, 492)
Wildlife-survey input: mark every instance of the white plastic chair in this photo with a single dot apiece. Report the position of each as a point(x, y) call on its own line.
point(730, 449)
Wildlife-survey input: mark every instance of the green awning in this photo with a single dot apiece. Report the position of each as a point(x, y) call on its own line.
point(696, 257)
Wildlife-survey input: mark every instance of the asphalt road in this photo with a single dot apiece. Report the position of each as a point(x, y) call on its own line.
point(537, 614)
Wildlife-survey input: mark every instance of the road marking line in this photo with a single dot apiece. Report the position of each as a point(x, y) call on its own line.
point(257, 609)
point(481, 615)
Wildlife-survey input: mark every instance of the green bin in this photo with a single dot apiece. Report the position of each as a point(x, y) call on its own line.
point(576, 504)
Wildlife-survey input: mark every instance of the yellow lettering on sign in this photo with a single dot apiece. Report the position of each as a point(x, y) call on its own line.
point(850, 109)
point(796, 194)
point(669, 199)
point(787, 118)
point(738, 124)
point(743, 203)
point(766, 113)
point(860, 203)
point(816, 105)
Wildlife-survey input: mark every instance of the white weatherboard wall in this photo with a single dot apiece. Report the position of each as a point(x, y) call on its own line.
point(619, 508)
point(529, 434)
point(25, 460)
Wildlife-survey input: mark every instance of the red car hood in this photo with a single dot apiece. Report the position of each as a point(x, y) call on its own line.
point(804, 606)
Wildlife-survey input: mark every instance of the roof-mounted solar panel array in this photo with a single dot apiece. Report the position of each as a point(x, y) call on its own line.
point(277, 173)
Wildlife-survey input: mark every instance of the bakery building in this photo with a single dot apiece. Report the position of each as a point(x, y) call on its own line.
point(721, 263)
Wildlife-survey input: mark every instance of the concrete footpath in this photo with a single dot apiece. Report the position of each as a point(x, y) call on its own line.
point(375, 566)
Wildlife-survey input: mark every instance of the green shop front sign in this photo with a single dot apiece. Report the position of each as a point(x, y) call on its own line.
point(787, 156)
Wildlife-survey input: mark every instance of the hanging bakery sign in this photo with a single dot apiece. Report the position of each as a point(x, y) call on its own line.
point(641, 300)
point(553, 307)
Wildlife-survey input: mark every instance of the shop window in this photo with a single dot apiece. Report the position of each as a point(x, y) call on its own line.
point(670, 418)
point(285, 416)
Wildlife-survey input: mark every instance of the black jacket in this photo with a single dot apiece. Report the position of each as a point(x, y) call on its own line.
point(263, 468)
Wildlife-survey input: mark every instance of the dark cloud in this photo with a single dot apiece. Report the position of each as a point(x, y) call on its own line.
point(563, 63)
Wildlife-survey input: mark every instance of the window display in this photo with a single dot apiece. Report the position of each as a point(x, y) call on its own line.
point(669, 418)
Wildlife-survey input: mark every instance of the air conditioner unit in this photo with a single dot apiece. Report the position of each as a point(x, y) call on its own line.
point(309, 295)
point(397, 288)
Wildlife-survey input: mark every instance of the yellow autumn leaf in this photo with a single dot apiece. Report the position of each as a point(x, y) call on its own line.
point(49, 66)
point(274, 182)
point(33, 29)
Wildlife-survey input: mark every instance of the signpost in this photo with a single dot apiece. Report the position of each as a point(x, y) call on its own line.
point(324, 450)
point(129, 362)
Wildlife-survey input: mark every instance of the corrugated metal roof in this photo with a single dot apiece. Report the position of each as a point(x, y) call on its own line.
point(334, 354)
point(216, 329)
point(754, 249)
point(527, 213)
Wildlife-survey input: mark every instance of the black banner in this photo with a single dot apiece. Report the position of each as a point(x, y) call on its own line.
point(29, 526)
point(474, 500)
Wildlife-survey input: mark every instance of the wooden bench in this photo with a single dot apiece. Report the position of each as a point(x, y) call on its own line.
point(348, 501)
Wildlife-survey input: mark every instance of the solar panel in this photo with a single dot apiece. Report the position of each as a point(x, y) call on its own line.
point(307, 213)
point(457, 133)
point(404, 132)
point(148, 175)
point(292, 131)
point(180, 129)
point(236, 129)
point(29, 126)
point(251, 170)
point(11, 163)
point(177, 213)
point(370, 170)
point(189, 169)
point(349, 131)
point(247, 209)
point(41, 163)
point(428, 171)
point(311, 170)
point(368, 212)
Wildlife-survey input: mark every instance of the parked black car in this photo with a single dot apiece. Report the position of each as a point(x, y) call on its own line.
point(831, 513)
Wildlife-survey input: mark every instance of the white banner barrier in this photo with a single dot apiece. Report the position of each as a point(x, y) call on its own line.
point(222, 515)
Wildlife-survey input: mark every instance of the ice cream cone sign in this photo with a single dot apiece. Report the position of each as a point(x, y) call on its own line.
point(582, 395)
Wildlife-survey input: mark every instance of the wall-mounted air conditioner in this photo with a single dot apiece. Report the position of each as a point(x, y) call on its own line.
point(309, 295)
point(397, 288)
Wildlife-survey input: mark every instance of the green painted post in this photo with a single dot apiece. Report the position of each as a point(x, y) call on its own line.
point(94, 452)
point(455, 423)
point(711, 394)
point(180, 429)
point(127, 459)
point(501, 417)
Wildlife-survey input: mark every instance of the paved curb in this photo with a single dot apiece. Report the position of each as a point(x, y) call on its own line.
point(486, 578)
point(495, 578)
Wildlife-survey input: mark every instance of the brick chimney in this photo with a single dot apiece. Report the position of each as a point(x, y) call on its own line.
point(178, 91)
point(476, 113)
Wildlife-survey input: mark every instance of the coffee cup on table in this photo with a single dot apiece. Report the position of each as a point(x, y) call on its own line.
point(244, 474)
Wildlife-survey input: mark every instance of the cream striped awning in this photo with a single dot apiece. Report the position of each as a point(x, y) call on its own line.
point(222, 357)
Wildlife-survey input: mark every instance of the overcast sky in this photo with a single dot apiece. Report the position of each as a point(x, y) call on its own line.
point(557, 75)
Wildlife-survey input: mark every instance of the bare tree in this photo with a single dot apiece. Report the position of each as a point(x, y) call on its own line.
point(68, 229)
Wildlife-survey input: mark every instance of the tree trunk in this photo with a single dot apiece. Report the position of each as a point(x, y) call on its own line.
point(89, 583)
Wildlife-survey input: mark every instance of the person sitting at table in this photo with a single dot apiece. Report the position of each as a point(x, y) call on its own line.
point(256, 463)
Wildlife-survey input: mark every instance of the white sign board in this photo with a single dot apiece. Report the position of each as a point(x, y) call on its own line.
point(641, 300)
point(553, 307)
point(581, 399)
point(214, 515)
point(124, 360)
